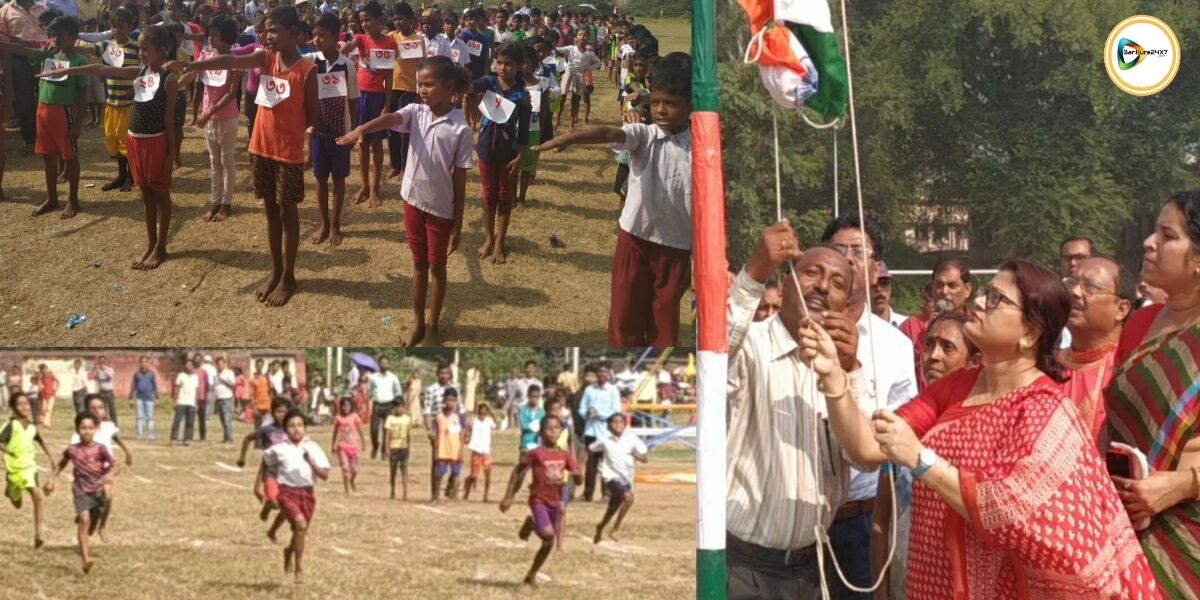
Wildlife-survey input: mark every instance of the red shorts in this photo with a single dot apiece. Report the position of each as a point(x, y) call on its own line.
point(54, 123)
point(271, 489)
point(297, 503)
point(648, 281)
point(480, 463)
point(146, 156)
point(498, 187)
point(428, 236)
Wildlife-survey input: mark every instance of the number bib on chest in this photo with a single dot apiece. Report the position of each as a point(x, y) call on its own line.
point(382, 59)
point(213, 78)
point(474, 48)
point(331, 85)
point(114, 56)
point(52, 65)
point(272, 91)
point(146, 86)
point(411, 50)
point(496, 108)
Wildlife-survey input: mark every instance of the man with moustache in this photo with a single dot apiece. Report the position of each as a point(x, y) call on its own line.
point(885, 356)
point(881, 298)
point(784, 464)
point(1102, 297)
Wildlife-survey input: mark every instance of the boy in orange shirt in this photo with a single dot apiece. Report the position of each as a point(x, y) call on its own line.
point(448, 434)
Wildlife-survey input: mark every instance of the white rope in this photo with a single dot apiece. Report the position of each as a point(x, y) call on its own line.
point(815, 125)
point(779, 205)
point(756, 42)
point(837, 204)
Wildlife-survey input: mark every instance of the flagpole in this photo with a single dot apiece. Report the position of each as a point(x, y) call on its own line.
point(708, 226)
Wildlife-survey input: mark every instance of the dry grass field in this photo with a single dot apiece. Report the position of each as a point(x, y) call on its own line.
point(356, 294)
point(185, 526)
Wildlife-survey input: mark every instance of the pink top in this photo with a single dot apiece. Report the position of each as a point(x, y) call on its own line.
point(213, 94)
point(252, 78)
point(347, 427)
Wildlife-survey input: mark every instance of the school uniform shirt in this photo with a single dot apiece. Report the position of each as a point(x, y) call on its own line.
point(279, 131)
point(438, 45)
point(658, 205)
point(499, 37)
point(478, 62)
point(500, 142)
point(118, 90)
point(370, 80)
point(617, 462)
point(404, 76)
point(105, 433)
point(578, 60)
point(549, 466)
point(459, 53)
point(287, 461)
point(186, 385)
point(271, 434)
point(60, 92)
point(333, 119)
point(481, 435)
point(436, 146)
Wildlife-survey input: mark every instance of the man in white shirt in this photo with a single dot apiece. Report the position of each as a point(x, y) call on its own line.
point(186, 385)
point(627, 378)
point(252, 10)
point(223, 392)
point(886, 359)
point(206, 399)
point(382, 390)
point(881, 298)
point(105, 377)
point(787, 471)
point(79, 385)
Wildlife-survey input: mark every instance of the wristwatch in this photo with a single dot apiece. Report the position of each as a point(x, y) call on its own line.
point(925, 461)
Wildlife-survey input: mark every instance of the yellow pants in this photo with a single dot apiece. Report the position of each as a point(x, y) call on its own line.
point(116, 125)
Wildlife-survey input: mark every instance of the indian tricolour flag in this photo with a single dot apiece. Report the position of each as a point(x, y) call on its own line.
point(801, 63)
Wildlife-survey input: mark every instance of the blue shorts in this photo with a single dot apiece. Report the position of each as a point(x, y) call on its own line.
point(328, 158)
point(453, 467)
point(617, 490)
point(370, 106)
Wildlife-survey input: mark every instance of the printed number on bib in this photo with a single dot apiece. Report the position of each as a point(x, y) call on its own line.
point(455, 54)
point(114, 56)
point(411, 50)
point(52, 65)
point(382, 59)
point(331, 85)
point(146, 86)
point(474, 48)
point(497, 108)
point(213, 78)
point(272, 91)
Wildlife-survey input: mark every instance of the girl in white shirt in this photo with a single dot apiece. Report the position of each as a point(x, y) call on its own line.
point(295, 463)
point(577, 78)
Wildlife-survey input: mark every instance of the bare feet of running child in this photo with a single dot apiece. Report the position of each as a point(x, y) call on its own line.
point(87, 566)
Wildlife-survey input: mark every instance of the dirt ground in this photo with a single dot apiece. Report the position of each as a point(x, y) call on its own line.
point(185, 526)
point(356, 294)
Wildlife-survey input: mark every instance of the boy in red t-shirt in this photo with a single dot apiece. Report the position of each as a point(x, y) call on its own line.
point(549, 464)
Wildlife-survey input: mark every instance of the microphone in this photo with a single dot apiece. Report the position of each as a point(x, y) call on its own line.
point(944, 306)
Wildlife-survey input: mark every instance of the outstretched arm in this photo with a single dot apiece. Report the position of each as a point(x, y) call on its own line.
point(592, 135)
point(256, 59)
point(387, 120)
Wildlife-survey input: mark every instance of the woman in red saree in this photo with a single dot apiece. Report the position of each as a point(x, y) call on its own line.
point(1153, 403)
point(1012, 499)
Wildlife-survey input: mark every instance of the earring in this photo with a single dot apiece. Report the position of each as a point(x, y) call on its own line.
point(1024, 345)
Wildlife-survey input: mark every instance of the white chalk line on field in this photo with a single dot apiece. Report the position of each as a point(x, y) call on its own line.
point(220, 481)
point(164, 467)
point(230, 468)
point(142, 479)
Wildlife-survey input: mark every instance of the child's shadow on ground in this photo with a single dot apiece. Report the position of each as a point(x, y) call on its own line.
point(261, 586)
point(512, 586)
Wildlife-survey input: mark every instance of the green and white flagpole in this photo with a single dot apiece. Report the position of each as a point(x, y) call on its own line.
point(708, 223)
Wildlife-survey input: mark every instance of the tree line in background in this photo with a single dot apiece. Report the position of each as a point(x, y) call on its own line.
point(999, 108)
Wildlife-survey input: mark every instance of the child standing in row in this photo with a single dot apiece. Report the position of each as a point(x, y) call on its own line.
point(150, 139)
point(543, 91)
point(17, 444)
point(411, 47)
point(287, 99)
point(479, 442)
point(295, 462)
point(347, 440)
point(621, 448)
point(652, 262)
point(396, 429)
point(581, 61)
point(502, 144)
point(434, 186)
point(218, 95)
point(93, 467)
point(337, 95)
point(377, 61)
point(549, 464)
point(62, 104)
point(122, 51)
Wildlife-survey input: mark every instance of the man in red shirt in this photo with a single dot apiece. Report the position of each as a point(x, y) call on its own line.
point(48, 388)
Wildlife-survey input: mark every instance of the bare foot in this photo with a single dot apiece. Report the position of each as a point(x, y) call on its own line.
point(128, 185)
point(432, 338)
point(486, 249)
point(531, 581)
point(373, 199)
point(299, 577)
point(287, 559)
point(71, 210)
point(394, 173)
point(212, 211)
point(360, 197)
point(87, 566)
point(612, 535)
point(282, 293)
point(415, 335)
point(103, 535)
point(45, 207)
point(137, 264)
point(2, 197)
point(335, 238)
point(154, 259)
point(221, 214)
point(500, 256)
point(267, 288)
point(321, 235)
point(273, 536)
point(599, 534)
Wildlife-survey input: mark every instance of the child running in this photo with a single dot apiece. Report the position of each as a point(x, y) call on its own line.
point(269, 434)
point(396, 429)
point(479, 442)
point(17, 441)
point(347, 440)
point(621, 448)
point(295, 462)
point(338, 95)
point(449, 436)
point(580, 61)
point(62, 104)
point(93, 467)
point(549, 464)
point(652, 261)
point(150, 140)
point(218, 95)
point(377, 60)
point(287, 100)
point(106, 434)
point(502, 144)
point(434, 186)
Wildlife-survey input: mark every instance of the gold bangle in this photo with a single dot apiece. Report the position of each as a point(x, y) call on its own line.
point(842, 394)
